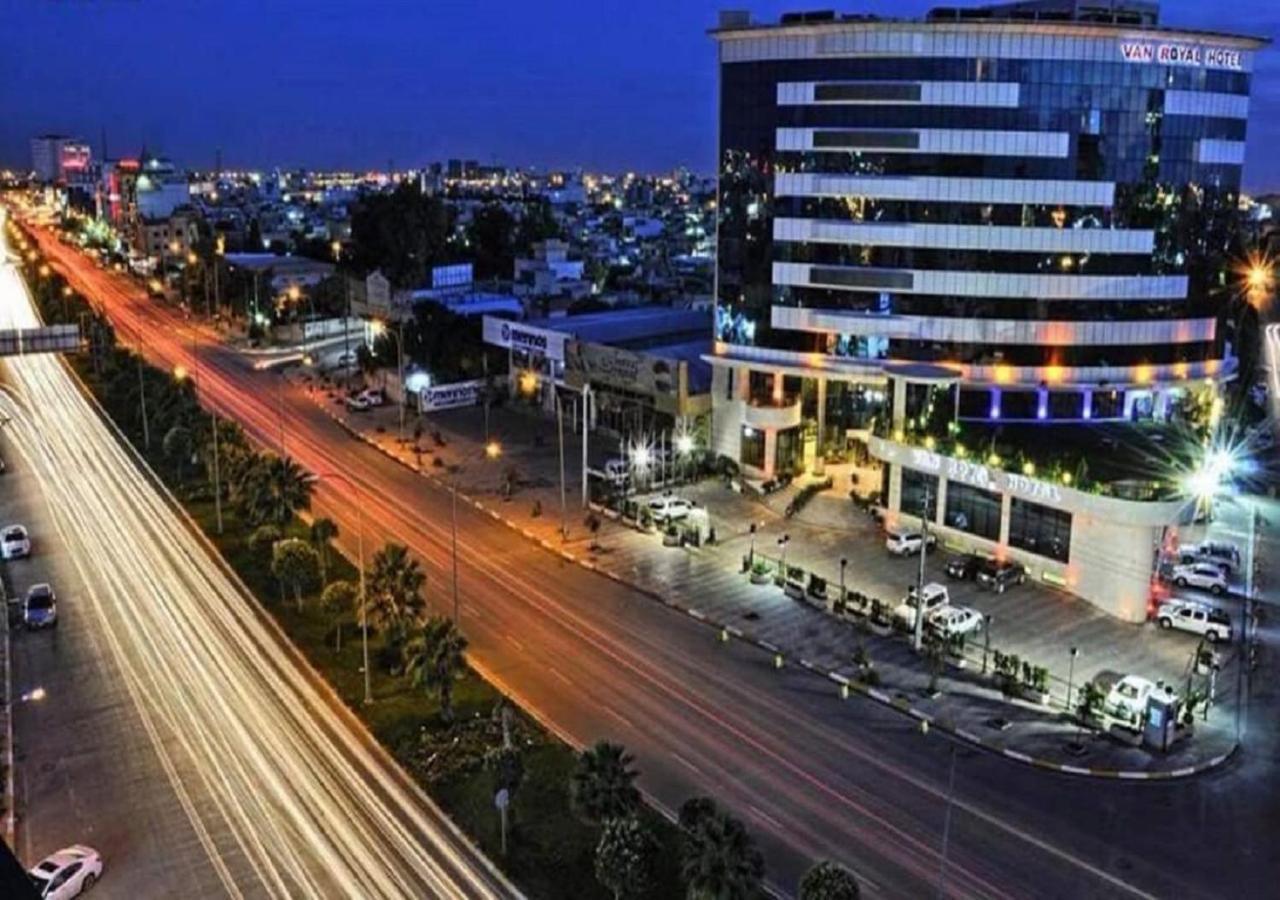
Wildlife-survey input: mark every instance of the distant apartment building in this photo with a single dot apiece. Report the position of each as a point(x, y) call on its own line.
point(59, 158)
point(550, 272)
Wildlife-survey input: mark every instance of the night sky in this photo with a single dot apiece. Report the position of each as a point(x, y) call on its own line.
point(603, 84)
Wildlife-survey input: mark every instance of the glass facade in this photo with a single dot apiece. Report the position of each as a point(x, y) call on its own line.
point(919, 493)
point(1040, 529)
point(1166, 171)
point(974, 510)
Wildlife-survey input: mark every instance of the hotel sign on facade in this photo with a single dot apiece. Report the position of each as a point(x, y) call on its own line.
point(981, 476)
point(1195, 55)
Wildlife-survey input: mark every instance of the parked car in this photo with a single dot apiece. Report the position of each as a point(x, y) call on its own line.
point(936, 596)
point(373, 397)
point(999, 574)
point(1206, 576)
point(965, 568)
point(907, 543)
point(1212, 623)
point(67, 873)
point(1128, 697)
point(40, 607)
point(358, 403)
point(1226, 555)
point(670, 508)
point(953, 621)
point(15, 543)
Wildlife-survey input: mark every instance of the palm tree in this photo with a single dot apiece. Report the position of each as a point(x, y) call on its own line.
point(295, 562)
point(433, 658)
point(394, 584)
point(337, 599)
point(719, 861)
point(323, 530)
point(602, 786)
point(829, 881)
point(275, 488)
point(625, 857)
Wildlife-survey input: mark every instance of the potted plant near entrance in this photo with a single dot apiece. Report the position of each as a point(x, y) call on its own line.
point(671, 535)
point(880, 622)
point(761, 572)
point(816, 592)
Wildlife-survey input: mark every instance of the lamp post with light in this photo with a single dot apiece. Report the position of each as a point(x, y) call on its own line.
point(379, 329)
point(492, 450)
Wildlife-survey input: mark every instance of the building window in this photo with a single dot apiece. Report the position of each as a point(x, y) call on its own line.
point(1108, 404)
point(974, 510)
point(729, 383)
point(1041, 530)
point(919, 492)
point(751, 451)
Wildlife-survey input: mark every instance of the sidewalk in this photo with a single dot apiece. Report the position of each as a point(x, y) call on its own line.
point(707, 583)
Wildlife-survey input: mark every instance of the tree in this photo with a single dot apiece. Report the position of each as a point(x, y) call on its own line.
point(492, 236)
point(295, 563)
point(394, 583)
point(337, 599)
point(828, 881)
point(404, 233)
point(274, 489)
point(177, 446)
point(263, 537)
point(602, 786)
point(323, 530)
point(433, 658)
point(719, 860)
point(625, 857)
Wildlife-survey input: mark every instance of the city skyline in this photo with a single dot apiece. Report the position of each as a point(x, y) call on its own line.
point(315, 98)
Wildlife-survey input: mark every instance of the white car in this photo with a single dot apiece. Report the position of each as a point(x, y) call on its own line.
point(936, 597)
point(358, 403)
point(1206, 576)
point(1199, 618)
point(373, 397)
point(1128, 697)
point(15, 543)
point(906, 543)
point(670, 508)
point(67, 873)
point(954, 621)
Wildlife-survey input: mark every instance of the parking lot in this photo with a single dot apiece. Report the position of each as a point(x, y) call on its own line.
point(1034, 621)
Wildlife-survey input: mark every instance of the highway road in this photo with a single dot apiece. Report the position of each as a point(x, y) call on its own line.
point(814, 777)
point(179, 731)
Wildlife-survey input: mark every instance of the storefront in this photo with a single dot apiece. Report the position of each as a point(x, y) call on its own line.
point(1100, 548)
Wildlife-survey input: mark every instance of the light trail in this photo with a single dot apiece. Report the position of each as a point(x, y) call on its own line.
point(268, 769)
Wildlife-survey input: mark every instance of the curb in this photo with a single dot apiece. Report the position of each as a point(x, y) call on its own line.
point(845, 684)
point(10, 797)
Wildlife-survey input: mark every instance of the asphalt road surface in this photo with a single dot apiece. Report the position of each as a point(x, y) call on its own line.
point(178, 732)
point(813, 776)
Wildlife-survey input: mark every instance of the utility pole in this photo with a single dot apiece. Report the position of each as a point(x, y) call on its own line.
point(586, 419)
point(453, 489)
point(142, 396)
point(564, 525)
point(918, 631)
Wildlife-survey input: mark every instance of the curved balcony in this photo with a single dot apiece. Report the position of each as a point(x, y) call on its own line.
point(765, 416)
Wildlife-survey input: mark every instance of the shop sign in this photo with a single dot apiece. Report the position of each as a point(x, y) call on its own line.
point(527, 338)
point(450, 396)
point(598, 364)
point(1033, 489)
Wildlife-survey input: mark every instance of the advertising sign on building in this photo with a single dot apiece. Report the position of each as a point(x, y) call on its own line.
point(598, 364)
point(450, 396)
point(537, 341)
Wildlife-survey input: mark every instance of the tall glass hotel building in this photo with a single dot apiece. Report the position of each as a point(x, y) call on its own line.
point(1012, 214)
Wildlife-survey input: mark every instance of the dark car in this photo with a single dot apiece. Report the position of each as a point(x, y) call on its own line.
point(965, 568)
point(999, 574)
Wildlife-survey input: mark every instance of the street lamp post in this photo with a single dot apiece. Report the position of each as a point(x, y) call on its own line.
point(917, 637)
point(380, 329)
point(213, 415)
point(751, 552)
point(1071, 672)
point(364, 596)
point(844, 561)
point(782, 555)
point(986, 641)
point(564, 524)
point(940, 890)
point(492, 450)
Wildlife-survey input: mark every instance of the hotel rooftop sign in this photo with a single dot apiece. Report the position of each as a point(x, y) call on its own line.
point(1194, 55)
